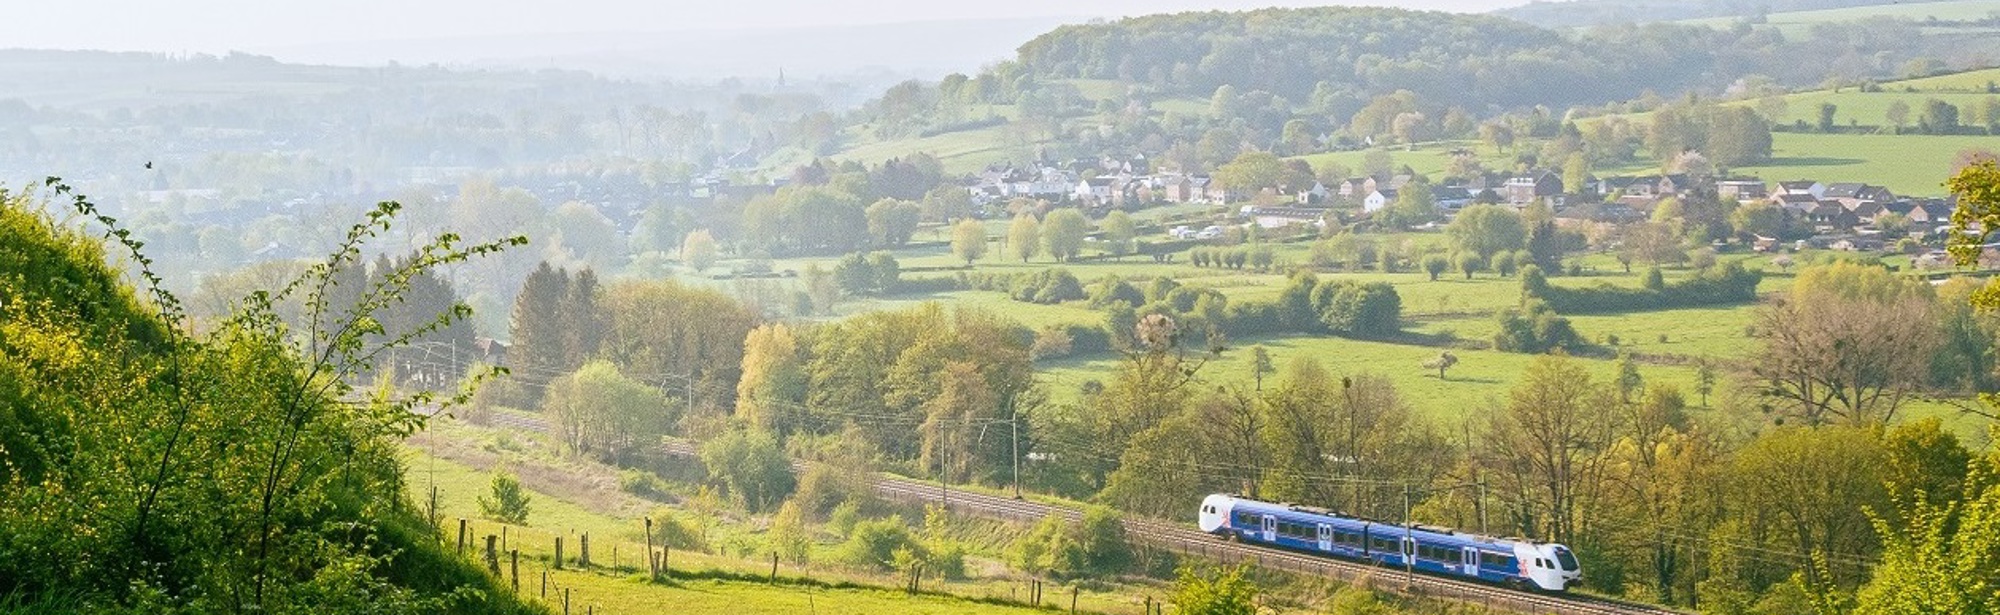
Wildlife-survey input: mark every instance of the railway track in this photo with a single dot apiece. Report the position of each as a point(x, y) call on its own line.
point(1192, 542)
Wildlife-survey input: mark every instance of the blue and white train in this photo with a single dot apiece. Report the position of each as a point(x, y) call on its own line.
point(1544, 567)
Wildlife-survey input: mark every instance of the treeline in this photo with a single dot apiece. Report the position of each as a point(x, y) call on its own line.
point(146, 468)
point(1728, 283)
point(1473, 61)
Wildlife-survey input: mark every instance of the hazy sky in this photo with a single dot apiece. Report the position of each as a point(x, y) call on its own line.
point(254, 25)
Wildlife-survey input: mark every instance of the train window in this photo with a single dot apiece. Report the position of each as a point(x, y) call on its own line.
point(1496, 560)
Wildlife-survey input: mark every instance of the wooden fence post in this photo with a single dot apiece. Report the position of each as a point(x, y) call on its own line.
point(514, 567)
point(565, 601)
point(461, 535)
point(493, 554)
point(653, 571)
point(1074, 591)
point(559, 553)
point(774, 568)
point(545, 584)
point(583, 551)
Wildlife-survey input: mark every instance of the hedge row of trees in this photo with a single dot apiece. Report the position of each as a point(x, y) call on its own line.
point(1728, 283)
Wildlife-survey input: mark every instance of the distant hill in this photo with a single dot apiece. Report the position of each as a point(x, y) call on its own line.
point(1474, 61)
point(1572, 13)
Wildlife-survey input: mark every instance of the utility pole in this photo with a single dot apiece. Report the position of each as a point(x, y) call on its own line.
point(1016, 422)
point(1482, 507)
point(1409, 540)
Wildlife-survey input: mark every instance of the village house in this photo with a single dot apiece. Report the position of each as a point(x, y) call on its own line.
point(1740, 189)
point(1531, 187)
point(1380, 198)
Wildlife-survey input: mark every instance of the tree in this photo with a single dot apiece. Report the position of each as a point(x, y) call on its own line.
point(1297, 136)
point(1898, 114)
point(751, 465)
point(1251, 172)
point(1414, 205)
point(1024, 238)
point(1498, 135)
point(1119, 231)
point(1435, 265)
point(1484, 230)
point(1547, 441)
point(1826, 113)
point(968, 240)
point(598, 410)
point(1470, 263)
point(1816, 486)
point(1409, 127)
point(1444, 361)
point(509, 502)
point(1576, 173)
point(698, 250)
point(1940, 117)
point(771, 393)
point(538, 328)
point(1824, 360)
point(1759, 218)
point(1063, 233)
point(1214, 592)
point(891, 222)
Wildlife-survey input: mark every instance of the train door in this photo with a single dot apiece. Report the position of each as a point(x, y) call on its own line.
point(1270, 528)
point(1325, 537)
point(1471, 565)
point(1410, 551)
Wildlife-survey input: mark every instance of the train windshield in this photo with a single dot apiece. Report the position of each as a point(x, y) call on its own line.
point(1567, 560)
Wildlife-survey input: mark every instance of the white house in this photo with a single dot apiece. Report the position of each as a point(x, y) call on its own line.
point(1378, 199)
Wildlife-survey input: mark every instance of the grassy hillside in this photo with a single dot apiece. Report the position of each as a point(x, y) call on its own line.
point(570, 498)
point(1966, 81)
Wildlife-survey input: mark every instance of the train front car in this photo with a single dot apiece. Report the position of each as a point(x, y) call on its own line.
point(1214, 518)
point(1548, 567)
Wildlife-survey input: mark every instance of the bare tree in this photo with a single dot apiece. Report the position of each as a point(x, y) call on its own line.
point(1849, 346)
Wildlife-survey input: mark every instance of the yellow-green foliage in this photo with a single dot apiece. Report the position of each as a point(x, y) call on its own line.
point(143, 467)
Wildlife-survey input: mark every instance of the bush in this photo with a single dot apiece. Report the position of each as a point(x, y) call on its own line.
point(1358, 309)
point(874, 543)
point(674, 529)
point(1050, 343)
point(1047, 287)
point(844, 518)
point(752, 466)
point(1534, 328)
point(509, 503)
point(643, 484)
point(826, 487)
point(1111, 290)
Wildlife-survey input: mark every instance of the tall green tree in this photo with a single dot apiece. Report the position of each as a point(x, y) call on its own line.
point(1063, 233)
point(968, 240)
point(1024, 237)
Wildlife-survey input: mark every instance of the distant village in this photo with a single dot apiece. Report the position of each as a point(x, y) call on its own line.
point(1840, 215)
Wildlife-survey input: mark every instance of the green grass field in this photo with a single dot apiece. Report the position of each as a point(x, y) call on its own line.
point(1798, 22)
point(1968, 81)
point(1914, 165)
point(1870, 109)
